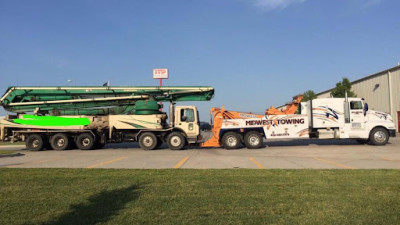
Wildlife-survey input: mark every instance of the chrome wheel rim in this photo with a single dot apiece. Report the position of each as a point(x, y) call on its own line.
point(60, 142)
point(86, 142)
point(231, 141)
point(148, 141)
point(254, 140)
point(35, 143)
point(380, 136)
point(175, 141)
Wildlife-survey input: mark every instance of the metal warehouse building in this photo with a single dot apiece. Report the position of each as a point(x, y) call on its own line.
point(380, 90)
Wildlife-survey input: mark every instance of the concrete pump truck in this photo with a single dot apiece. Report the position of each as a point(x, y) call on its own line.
point(89, 117)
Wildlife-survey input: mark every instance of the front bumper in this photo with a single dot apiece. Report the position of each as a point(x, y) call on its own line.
point(392, 133)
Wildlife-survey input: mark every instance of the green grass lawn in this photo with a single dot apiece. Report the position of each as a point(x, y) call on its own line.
point(116, 196)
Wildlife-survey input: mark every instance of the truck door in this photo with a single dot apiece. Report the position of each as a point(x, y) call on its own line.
point(357, 118)
point(188, 121)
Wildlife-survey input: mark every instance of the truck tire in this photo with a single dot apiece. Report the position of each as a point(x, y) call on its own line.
point(59, 141)
point(148, 141)
point(231, 140)
point(379, 136)
point(253, 140)
point(176, 141)
point(85, 141)
point(34, 142)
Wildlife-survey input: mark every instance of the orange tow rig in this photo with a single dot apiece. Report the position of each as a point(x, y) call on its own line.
point(218, 115)
point(290, 108)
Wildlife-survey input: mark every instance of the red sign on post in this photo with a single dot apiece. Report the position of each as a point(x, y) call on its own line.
point(160, 73)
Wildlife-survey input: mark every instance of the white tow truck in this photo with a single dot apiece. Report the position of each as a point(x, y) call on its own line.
point(324, 118)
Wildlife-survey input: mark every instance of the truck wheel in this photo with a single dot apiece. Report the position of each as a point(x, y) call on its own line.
point(85, 141)
point(59, 141)
point(231, 140)
point(379, 136)
point(253, 140)
point(34, 142)
point(176, 141)
point(148, 141)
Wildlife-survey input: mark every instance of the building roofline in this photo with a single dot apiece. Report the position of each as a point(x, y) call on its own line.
point(366, 78)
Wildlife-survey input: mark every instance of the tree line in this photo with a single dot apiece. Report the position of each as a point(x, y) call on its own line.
point(339, 91)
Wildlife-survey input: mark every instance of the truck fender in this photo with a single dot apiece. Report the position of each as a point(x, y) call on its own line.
point(177, 130)
point(378, 127)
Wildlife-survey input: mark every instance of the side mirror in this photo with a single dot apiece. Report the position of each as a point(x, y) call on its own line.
point(365, 108)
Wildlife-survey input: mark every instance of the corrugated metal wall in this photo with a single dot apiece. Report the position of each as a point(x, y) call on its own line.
point(375, 91)
point(395, 83)
point(325, 95)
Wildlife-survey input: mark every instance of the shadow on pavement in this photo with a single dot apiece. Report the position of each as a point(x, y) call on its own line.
point(101, 207)
point(12, 155)
point(267, 143)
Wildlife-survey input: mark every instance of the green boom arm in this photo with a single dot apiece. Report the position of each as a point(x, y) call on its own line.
point(94, 100)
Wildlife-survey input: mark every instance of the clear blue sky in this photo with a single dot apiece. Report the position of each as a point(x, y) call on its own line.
point(255, 53)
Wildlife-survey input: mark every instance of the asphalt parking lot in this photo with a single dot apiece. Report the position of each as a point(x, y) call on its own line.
point(288, 154)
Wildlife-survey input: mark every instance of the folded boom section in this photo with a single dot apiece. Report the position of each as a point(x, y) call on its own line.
point(96, 100)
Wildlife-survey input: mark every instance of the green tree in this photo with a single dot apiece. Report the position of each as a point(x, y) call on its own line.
point(341, 88)
point(309, 95)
